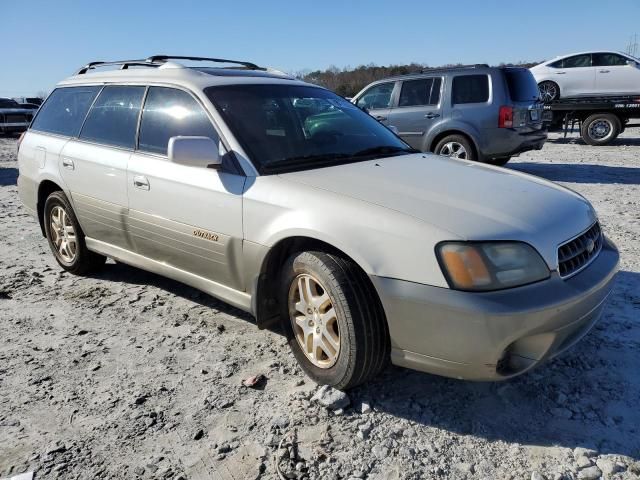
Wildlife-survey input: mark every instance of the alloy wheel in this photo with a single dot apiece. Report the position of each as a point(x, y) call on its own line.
point(454, 150)
point(548, 91)
point(63, 235)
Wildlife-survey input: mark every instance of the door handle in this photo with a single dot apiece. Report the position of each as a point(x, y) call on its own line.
point(68, 163)
point(561, 73)
point(141, 182)
point(380, 118)
point(604, 71)
point(432, 115)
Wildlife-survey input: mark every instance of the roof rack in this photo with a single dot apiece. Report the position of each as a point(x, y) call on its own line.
point(159, 60)
point(455, 67)
point(164, 58)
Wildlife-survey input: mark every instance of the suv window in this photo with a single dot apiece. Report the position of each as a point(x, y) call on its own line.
point(169, 112)
point(577, 61)
point(65, 110)
point(425, 91)
point(608, 60)
point(521, 84)
point(470, 89)
point(378, 96)
point(114, 116)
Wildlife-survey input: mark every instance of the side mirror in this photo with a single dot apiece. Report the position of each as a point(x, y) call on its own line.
point(394, 129)
point(194, 152)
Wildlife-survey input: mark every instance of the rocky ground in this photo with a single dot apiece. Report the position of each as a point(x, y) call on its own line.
point(129, 375)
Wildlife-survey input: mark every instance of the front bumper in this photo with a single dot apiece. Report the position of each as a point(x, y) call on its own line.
point(493, 335)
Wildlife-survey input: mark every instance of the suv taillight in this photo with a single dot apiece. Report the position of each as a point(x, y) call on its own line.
point(505, 117)
point(20, 141)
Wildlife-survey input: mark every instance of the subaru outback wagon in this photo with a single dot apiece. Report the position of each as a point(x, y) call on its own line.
point(285, 200)
point(473, 112)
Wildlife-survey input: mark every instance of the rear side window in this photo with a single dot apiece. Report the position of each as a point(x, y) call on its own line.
point(420, 92)
point(577, 61)
point(114, 116)
point(65, 110)
point(521, 84)
point(167, 113)
point(608, 60)
point(378, 96)
point(470, 89)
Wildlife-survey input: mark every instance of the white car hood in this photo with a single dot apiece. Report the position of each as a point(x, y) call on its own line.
point(471, 200)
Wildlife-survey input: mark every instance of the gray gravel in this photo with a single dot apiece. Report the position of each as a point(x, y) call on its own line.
point(129, 375)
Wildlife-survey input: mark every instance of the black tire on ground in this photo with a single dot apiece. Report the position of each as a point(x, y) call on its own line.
point(600, 128)
point(549, 91)
point(450, 141)
point(84, 261)
point(500, 162)
point(363, 333)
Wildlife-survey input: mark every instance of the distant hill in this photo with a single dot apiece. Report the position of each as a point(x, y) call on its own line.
point(347, 81)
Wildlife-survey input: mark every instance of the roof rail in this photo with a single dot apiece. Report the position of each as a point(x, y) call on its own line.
point(125, 64)
point(163, 58)
point(473, 65)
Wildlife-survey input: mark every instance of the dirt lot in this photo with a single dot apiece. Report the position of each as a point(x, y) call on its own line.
point(129, 375)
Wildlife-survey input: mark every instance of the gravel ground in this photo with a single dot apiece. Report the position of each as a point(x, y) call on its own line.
point(129, 375)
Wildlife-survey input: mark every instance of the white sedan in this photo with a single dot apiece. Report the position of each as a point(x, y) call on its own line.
point(588, 74)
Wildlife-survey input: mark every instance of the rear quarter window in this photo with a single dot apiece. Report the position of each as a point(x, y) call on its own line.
point(522, 85)
point(65, 110)
point(470, 89)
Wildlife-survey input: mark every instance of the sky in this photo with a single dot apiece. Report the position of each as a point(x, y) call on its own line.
point(45, 41)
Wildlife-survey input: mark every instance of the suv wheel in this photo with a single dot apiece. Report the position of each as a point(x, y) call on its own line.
point(600, 128)
point(549, 91)
point(66, 238)
point(455, 146)
point(333, 319)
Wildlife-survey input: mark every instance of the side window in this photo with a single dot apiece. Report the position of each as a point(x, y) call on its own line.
point(420, 92)
point(557, 64)
point(577, 61)
point(608, 60)
point(377, 97)
point(114, 116)
point(470, 89)
point(65, 110)
point(167, 113)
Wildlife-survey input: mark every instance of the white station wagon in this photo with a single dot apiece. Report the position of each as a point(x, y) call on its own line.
point(287, 201)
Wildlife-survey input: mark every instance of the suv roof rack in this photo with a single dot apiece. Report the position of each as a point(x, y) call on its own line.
point(455, 67)
point(159, 60)
point(164, 58)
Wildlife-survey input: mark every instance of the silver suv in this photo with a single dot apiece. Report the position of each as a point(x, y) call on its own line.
point(474, 112)
point(289, 202)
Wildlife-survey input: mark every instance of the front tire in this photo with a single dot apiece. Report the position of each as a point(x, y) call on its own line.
point(66, 238)
point(455, 146)
point(549, 91)
point(333, 319)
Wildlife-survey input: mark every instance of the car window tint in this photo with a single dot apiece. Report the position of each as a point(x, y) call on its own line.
point(577, 61)
point(378, 96)
point(167, 113)
point(470, 89)
point(114, 116)
point(416, 92)
point(65, 110)
point(608, 60)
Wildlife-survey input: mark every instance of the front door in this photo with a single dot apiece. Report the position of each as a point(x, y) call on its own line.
point(377, 100)
point(418, 110)
point(614, 75)
point(186, 217)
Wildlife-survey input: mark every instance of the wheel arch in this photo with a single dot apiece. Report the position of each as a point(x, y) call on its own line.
point(434, 141)
point(45, 188)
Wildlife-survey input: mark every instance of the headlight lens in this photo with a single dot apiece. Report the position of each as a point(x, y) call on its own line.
point(483, 266)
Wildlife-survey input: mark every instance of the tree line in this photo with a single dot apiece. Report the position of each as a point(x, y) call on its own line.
point(349, 81)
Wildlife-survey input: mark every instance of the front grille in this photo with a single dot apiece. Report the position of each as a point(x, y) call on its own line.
point(576, 254)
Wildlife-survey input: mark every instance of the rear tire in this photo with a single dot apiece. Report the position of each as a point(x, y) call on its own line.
point(333, 319)
point(66, 238)
point(456, 146)
point(549, 91)
point(600, 128)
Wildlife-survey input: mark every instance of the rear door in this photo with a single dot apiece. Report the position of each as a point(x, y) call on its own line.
point(94, 166)
point(576, 77)
point(187, 217)
point(614, 75)
point(525, 99)
point(418, 109)
point(378, 100)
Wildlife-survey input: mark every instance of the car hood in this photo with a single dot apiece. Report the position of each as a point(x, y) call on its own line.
point(471, 200)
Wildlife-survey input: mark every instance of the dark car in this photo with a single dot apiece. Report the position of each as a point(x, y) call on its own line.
point(13, 117)
point(475, 112)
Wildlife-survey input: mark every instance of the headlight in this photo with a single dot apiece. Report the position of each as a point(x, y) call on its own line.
point(482, 266)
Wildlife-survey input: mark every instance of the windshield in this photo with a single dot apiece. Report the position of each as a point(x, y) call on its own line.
point(522, 86)
point(289, 127)
point(8, 103)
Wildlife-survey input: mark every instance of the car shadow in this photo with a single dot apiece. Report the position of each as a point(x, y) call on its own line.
point(586, 397)
point(8, 176)
point(580, 172)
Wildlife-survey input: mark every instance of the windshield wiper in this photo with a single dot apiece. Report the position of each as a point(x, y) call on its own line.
point(303, 159)
point(384, 150)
